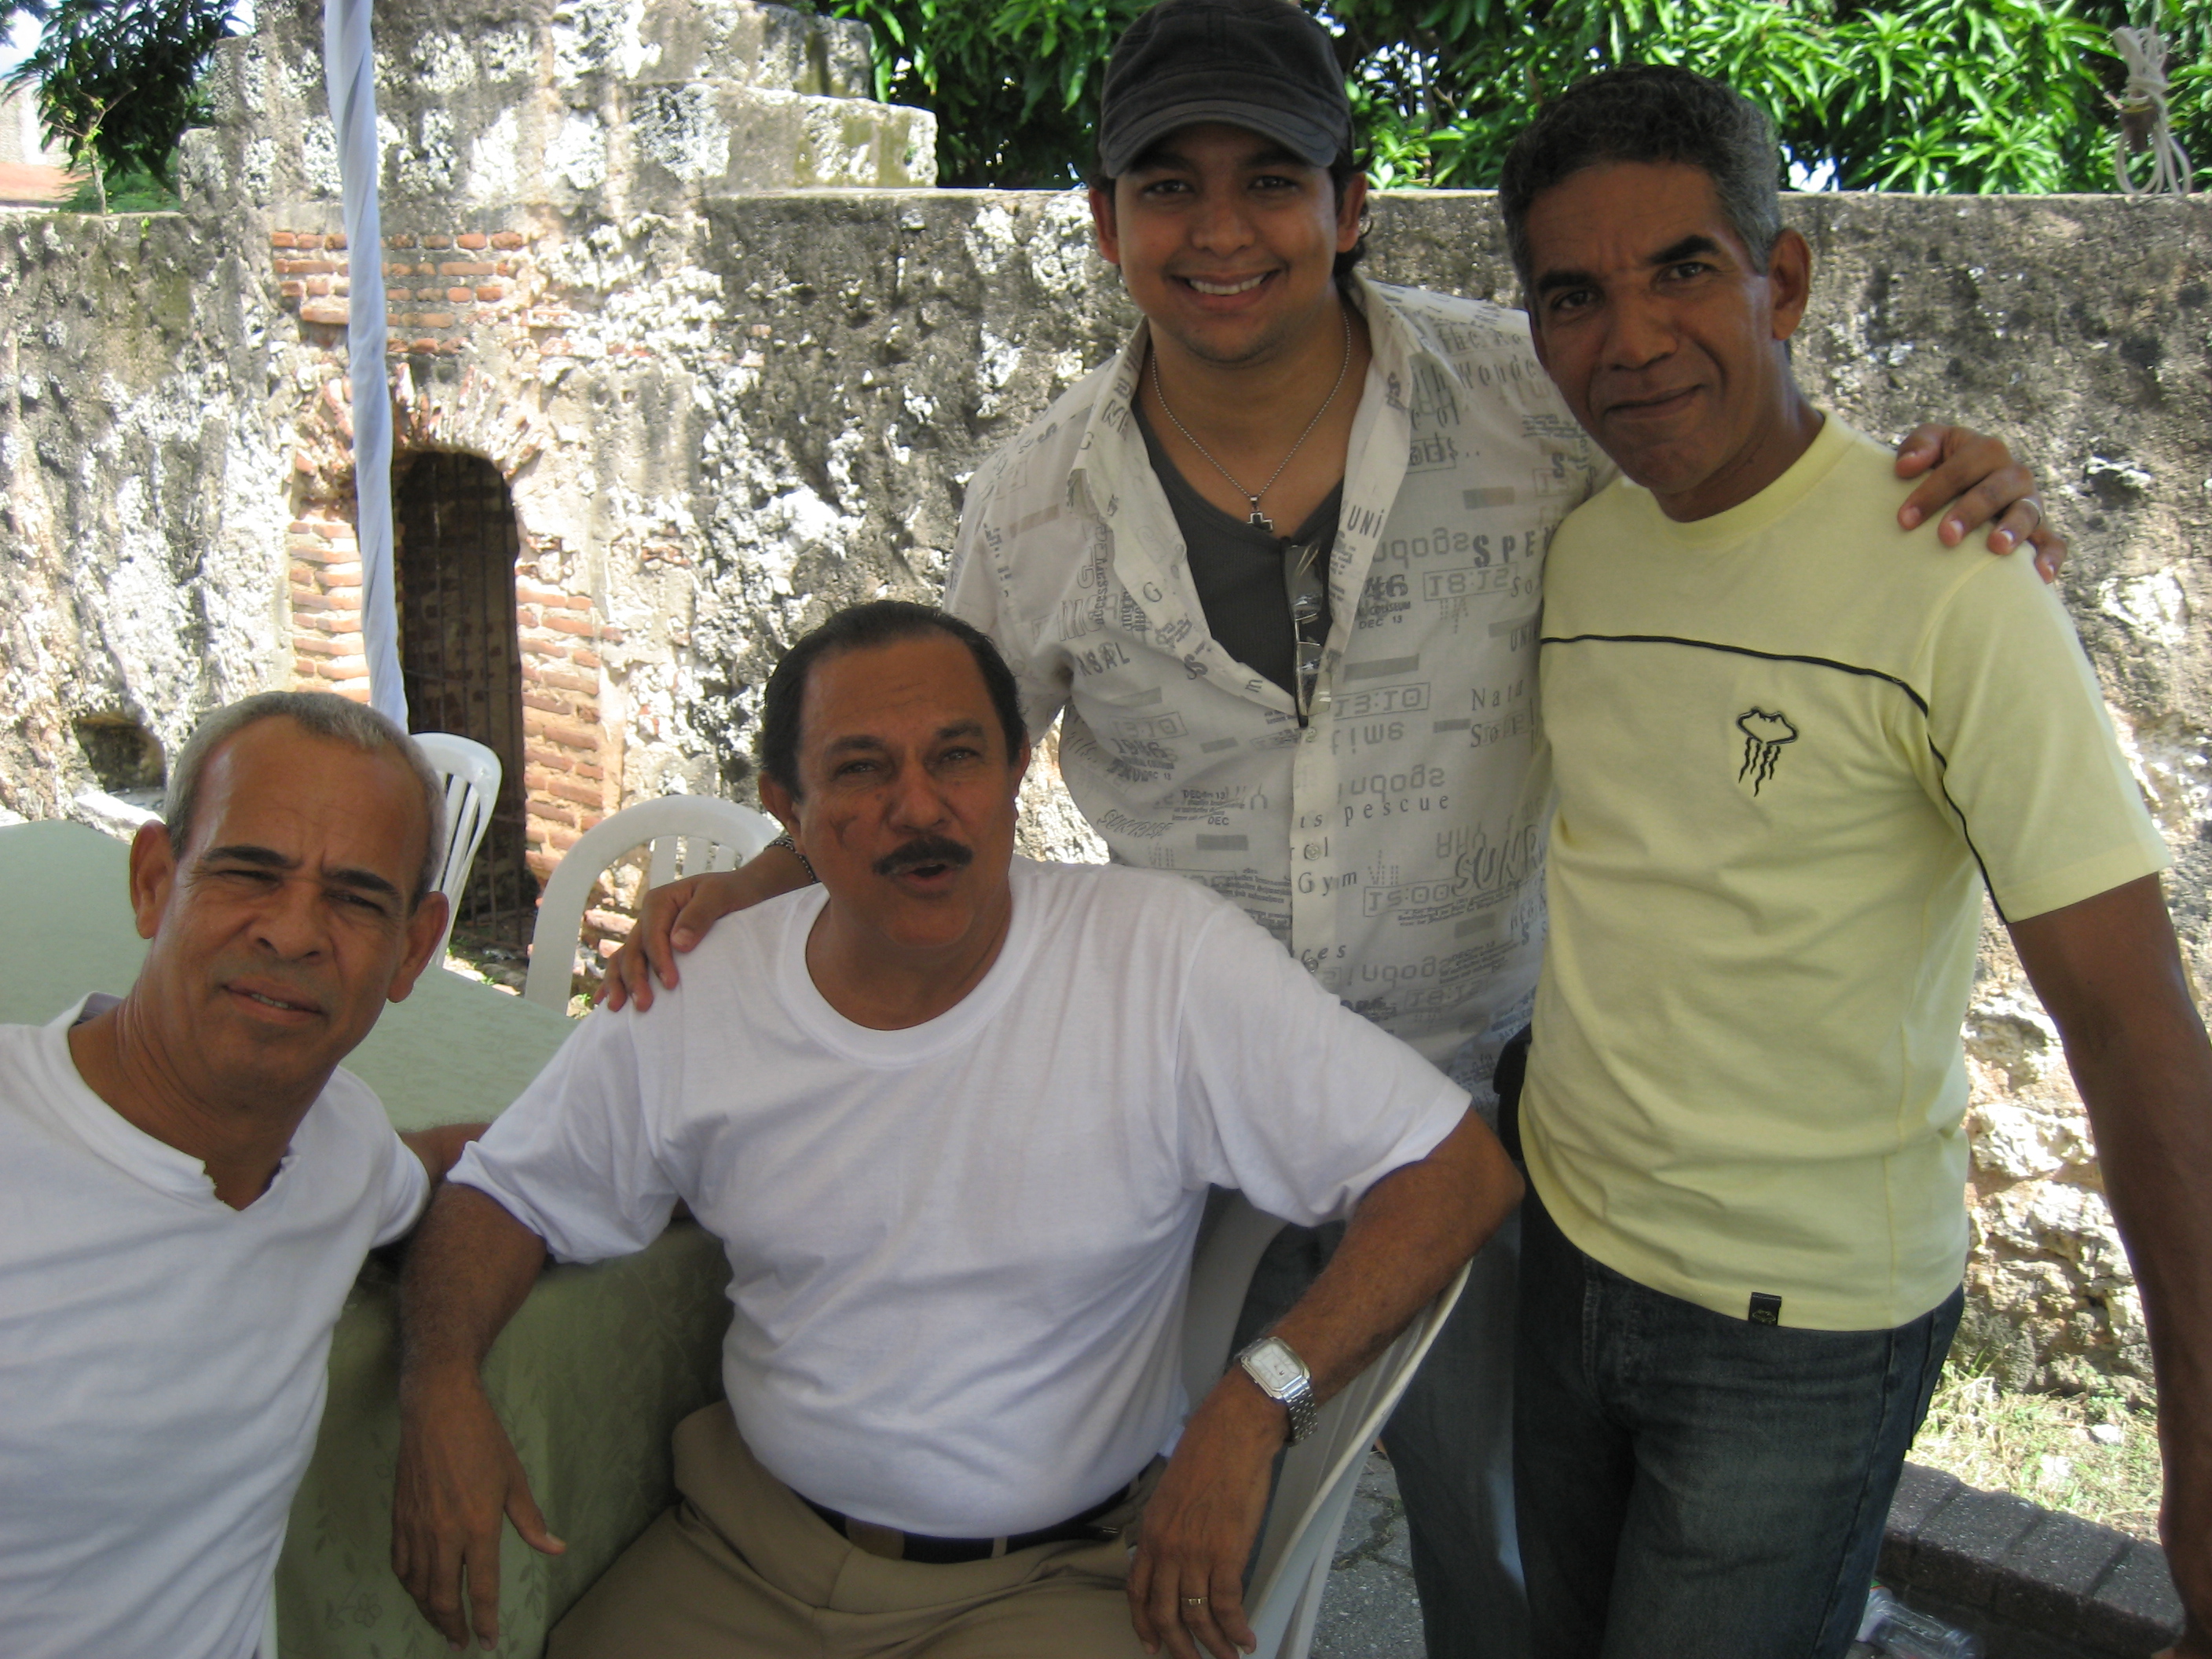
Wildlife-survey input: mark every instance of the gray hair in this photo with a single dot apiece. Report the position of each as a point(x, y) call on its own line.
point(1655, 112)
point(322, 714)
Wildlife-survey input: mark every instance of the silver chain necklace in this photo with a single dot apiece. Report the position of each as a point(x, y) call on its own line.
point(1259, 520)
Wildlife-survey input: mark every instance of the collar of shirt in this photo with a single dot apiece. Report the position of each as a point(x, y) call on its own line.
point(1112, 468)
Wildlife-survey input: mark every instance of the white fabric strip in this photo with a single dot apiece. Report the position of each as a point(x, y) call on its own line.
point(350, 69)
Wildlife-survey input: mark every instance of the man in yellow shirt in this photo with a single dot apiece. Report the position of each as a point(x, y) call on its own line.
point(1792, 743)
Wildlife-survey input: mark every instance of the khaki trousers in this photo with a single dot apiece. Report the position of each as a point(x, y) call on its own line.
point(742, 1566)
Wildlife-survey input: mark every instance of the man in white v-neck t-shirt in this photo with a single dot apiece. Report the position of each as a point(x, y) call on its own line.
point(954, 1117)
point(191, 1185)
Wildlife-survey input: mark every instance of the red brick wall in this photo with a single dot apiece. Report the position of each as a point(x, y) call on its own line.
point(441, 287)
point(436, 287)
point(572, 764)
point(327, 654)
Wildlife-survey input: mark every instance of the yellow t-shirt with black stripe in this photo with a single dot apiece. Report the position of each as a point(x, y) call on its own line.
point(1790, 741)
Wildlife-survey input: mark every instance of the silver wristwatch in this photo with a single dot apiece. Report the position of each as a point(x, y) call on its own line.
point(1272, 1365)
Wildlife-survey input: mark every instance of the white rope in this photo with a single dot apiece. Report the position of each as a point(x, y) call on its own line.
point(2143, 119)
point(349, 72)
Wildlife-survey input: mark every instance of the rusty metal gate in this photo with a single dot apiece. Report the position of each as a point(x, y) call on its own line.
point(454, 547)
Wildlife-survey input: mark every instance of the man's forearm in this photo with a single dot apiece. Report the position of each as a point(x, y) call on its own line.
point(2108, 970)
point(471, 1266)
point(2150, 1105)
point(1409, 1235)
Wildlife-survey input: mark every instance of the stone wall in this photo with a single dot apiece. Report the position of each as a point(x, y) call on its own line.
point(721, 414)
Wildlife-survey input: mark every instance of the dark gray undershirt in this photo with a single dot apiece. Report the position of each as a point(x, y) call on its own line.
point(1240, 570)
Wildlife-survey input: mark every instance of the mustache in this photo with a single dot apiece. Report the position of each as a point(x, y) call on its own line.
point(925, 850)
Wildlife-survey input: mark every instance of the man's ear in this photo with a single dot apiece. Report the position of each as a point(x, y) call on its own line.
point(1022, 763)
point(1536, 333)
point(1349, 208)
point(1790, 283)
point(781, 805)
point(426, 932)
point(1102, 226)
point(153, 876)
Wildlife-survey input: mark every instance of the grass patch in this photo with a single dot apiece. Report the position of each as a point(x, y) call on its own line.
point(2090, 1455)
point(135, 191)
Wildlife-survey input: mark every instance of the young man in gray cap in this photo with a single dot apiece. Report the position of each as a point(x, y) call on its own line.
point(1277, 567)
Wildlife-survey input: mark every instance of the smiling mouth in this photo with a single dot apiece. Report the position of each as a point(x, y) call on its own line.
point(1665, 402)
point(1222, 290)
point(268, 1001)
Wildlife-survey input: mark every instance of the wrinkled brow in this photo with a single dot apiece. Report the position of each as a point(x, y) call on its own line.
point(1688, 247)
point(266, 857)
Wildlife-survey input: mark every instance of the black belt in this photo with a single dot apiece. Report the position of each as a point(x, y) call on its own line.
point(893, 1545)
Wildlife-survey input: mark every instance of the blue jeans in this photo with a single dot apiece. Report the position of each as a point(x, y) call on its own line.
point(1692, 1485)
point(1450, 1444)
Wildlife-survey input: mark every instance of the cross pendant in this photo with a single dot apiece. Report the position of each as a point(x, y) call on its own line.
point(1259, 520)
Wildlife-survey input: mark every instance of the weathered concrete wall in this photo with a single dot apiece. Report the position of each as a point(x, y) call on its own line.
point(607, 107)
point(141, 474)
point(721, 414)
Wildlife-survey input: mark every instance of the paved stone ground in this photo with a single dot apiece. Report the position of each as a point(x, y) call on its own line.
point(1368, 1610)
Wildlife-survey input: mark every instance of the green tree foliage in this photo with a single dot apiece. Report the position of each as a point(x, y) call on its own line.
point(118, 80)
point(1935, 95)
point(1938, 96)
point(1014, 83)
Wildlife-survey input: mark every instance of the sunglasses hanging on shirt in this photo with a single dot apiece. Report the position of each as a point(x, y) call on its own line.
point(1304, 581)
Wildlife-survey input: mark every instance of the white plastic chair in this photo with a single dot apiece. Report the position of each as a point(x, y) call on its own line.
point(1318, 1474)
point(689, 835)
point(472, 774)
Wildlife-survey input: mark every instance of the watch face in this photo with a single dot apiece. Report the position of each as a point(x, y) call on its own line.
point(1274, 1367)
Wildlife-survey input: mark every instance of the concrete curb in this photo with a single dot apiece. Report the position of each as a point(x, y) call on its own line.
point(2038, 1583)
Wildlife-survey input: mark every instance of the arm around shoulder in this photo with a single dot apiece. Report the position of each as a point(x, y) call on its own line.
point(678, 915)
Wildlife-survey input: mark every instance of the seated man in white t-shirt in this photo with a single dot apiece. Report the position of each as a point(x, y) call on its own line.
point(191, 1185)
point(954, 1116)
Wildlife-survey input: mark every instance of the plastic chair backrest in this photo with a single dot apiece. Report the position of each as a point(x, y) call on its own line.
point(689, 835)
point(472, 774)
point(1318, 1474)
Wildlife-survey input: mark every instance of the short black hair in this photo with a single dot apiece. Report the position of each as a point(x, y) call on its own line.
point(881, 621)
point(1651, 112)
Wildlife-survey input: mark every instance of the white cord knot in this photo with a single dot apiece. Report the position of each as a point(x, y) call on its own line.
point(2142, 105)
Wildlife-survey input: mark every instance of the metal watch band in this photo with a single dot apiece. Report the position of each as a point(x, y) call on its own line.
point(1296, 1397)
point(785, 842)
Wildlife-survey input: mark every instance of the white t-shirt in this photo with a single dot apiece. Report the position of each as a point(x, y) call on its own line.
point(162, 1358)
point(958, 1251)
